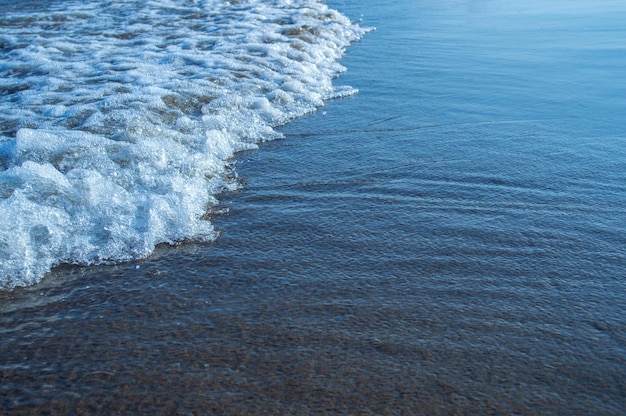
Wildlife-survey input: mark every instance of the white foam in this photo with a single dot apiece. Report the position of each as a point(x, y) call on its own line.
point(119, 120)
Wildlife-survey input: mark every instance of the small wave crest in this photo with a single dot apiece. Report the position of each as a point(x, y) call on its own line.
point(118, 123)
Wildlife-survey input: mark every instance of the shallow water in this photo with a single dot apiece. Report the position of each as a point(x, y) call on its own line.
point(449, 241)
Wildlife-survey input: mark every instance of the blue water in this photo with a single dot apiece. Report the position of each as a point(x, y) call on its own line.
point(450, 240)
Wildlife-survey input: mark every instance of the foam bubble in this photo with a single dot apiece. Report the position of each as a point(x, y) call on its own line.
point(119, 120)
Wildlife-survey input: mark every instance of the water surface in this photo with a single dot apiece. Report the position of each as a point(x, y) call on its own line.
point(448, 241)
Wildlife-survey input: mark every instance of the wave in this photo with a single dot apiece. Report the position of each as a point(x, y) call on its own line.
point(119, 120)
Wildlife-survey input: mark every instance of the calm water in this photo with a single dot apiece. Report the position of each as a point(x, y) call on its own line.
point(451, 240)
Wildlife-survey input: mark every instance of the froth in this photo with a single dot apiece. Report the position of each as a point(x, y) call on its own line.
point(119, 124)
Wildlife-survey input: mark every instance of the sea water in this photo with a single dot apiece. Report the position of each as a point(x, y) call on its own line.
point(450, 240)
point(119, 120)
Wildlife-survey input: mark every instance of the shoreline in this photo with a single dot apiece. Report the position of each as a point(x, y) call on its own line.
point(368, 266)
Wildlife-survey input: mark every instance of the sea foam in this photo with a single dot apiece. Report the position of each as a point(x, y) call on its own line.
point(119, 120)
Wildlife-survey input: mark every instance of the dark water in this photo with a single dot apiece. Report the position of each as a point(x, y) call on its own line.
point(449, 241)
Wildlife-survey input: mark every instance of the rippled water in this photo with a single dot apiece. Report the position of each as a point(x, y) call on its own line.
point(451, 240)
